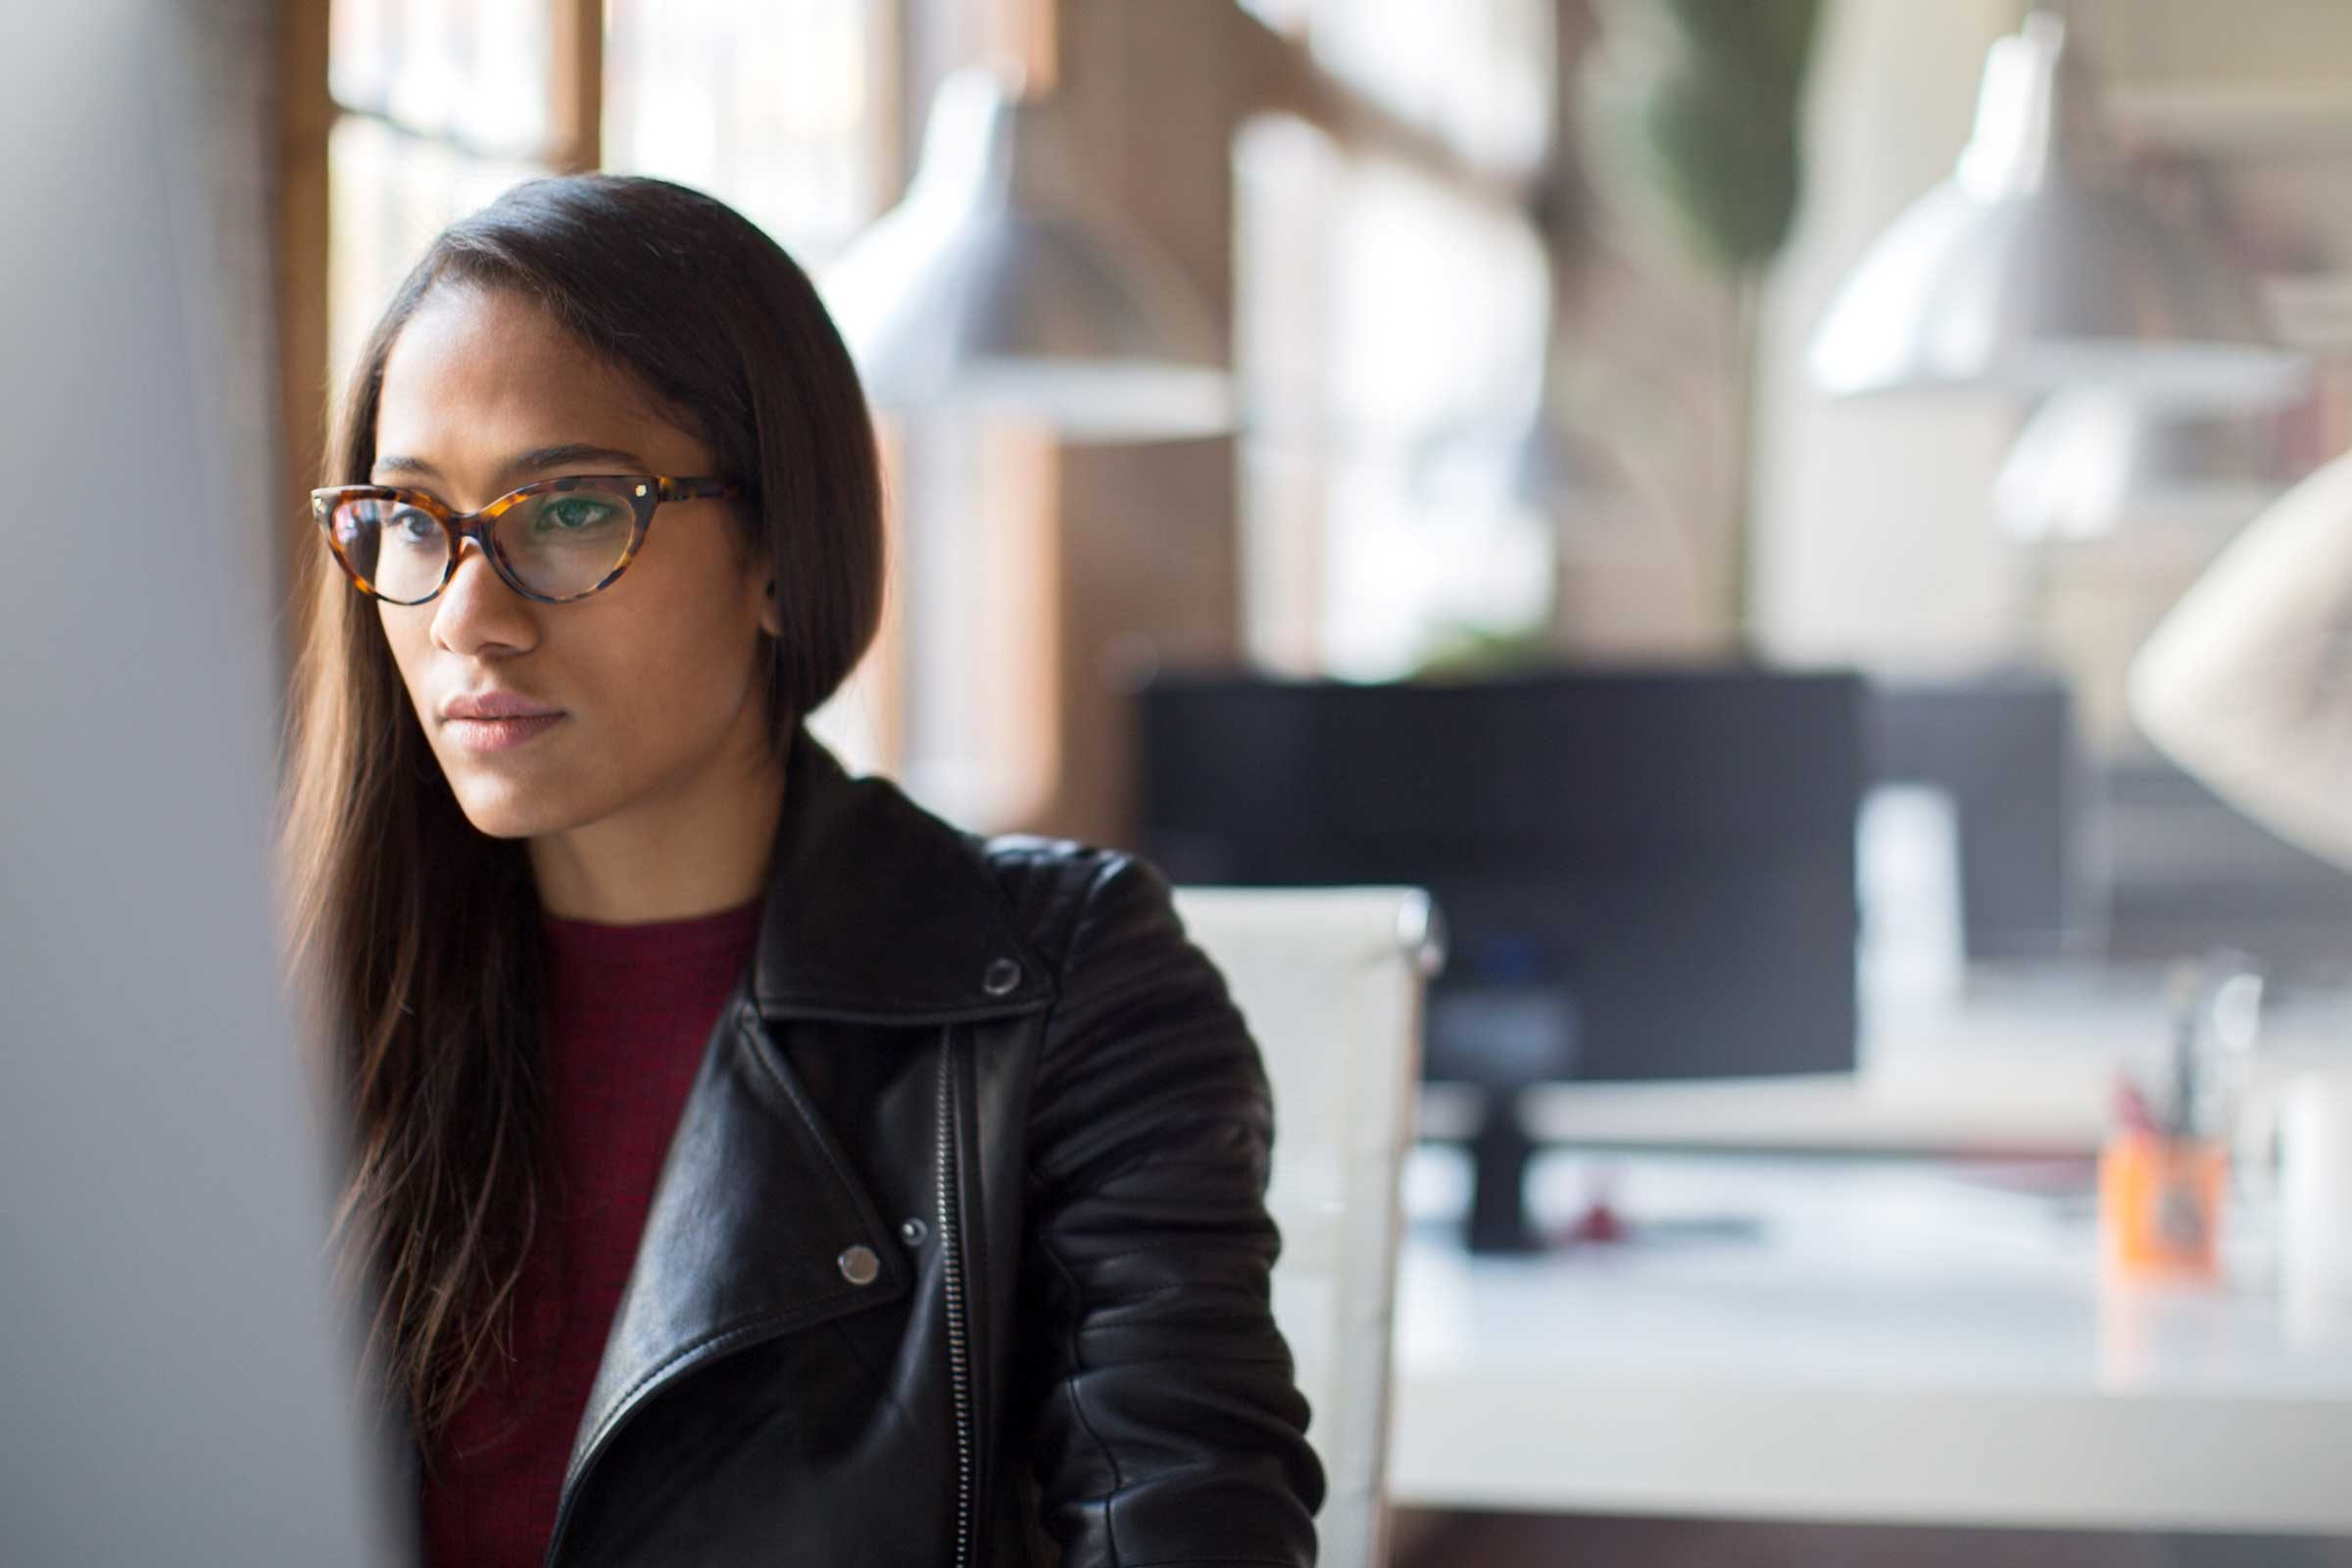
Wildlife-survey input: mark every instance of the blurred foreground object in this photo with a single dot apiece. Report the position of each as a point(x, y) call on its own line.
point(172, 1386)
point(2248, 682)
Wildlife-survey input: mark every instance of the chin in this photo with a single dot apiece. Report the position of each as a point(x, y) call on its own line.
point(504, 822)
point(500, 810)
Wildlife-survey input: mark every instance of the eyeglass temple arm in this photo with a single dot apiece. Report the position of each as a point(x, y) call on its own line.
point(695, 489)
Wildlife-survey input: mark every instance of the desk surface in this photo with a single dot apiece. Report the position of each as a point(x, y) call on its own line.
point(1893, 1344)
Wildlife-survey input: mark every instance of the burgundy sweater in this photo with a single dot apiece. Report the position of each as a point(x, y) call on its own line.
point(630, 1008)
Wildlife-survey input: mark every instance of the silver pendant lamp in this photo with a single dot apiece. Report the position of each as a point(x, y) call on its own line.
point(2039, 266)
point(999, 289)
point(2090, 464)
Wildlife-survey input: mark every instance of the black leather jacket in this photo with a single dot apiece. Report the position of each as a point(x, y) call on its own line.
point(960, 1253)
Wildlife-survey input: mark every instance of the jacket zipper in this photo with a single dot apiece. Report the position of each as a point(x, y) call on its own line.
point(950, 1256)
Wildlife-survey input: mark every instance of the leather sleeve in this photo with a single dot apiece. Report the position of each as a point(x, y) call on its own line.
point(1165, 1425)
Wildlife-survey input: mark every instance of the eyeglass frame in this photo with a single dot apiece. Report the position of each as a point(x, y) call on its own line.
point(645, 493)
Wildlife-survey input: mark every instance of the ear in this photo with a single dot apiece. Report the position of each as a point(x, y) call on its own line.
point(771, 616)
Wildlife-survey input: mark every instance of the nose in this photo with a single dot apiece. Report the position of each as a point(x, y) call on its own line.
point(478, 614)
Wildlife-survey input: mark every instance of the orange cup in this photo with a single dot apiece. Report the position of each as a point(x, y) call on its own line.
point(2160, 1205)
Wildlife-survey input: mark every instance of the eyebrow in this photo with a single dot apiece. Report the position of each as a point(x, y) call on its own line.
point(539, 459)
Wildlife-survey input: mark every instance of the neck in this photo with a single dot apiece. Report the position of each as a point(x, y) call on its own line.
point(702, 848)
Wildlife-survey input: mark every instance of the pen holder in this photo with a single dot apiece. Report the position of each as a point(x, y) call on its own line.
point(2160, 1205)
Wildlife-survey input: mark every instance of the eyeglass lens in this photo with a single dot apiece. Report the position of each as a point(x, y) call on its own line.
point(556, 545)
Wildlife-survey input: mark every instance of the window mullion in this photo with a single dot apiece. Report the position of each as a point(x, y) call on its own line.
point(576, 91)
point(306, 114)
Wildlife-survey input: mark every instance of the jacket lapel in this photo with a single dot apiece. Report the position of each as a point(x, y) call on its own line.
point(749, 1218)
point(878, 912)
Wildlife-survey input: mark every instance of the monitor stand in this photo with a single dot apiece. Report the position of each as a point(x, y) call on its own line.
point(1498, 1160)
point(1498, 1223)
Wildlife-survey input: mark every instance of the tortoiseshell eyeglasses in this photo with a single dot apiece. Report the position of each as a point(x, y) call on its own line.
point(553, 542)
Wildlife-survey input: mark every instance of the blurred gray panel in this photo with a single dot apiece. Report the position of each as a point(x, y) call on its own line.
point(172, 1380)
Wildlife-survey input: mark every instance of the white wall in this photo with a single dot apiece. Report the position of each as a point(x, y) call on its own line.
point(1875, 539)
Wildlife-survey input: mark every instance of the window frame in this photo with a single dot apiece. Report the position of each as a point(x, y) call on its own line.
point(307, 114)
point(307, 119)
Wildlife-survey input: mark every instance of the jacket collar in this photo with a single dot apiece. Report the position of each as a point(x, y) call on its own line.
point(878, 910)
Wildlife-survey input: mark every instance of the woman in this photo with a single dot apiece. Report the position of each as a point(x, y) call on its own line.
point(746, 1166)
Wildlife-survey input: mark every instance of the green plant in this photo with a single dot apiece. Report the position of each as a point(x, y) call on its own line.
point(1716, 132)
point(1720, 123)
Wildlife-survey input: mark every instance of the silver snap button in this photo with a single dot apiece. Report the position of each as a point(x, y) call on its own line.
point(859, 1266)
point(1001, 976)
point(913, 1232)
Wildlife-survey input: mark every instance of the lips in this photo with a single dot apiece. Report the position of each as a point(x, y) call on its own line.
point(496, 705)
point(495, 720)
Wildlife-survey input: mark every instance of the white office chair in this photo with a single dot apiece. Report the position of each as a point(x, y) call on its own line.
point(1329, 980)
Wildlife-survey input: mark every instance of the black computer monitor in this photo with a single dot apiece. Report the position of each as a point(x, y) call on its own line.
point(2003, 748)
point(2187, 872)
point(1643, 875)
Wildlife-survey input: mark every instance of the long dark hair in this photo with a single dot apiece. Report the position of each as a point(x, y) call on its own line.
point(413, 938)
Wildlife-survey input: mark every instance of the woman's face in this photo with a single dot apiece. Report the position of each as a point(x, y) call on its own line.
point(653, 683)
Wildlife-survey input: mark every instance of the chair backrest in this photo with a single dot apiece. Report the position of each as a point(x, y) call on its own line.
point(1331, 980)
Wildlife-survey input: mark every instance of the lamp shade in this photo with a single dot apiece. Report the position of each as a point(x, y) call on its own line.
point(2091, 463)
point(2040, 266)
point(995, 288)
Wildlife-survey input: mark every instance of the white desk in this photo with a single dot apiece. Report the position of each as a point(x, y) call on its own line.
point(1897, 1347)
point(2015, 1069)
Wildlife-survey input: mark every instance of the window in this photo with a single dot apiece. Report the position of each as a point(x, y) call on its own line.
point(774, 106)
point(439, 106)
point(1378, 311)
point(434, 107)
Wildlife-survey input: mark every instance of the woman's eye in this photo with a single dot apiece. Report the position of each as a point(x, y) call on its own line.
point(411, 527)
point(575, 515)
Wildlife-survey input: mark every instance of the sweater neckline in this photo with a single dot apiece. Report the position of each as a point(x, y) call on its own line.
point(651, 941)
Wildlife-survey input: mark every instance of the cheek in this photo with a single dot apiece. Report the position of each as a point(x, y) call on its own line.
point(662, 671)
point(405, 636)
